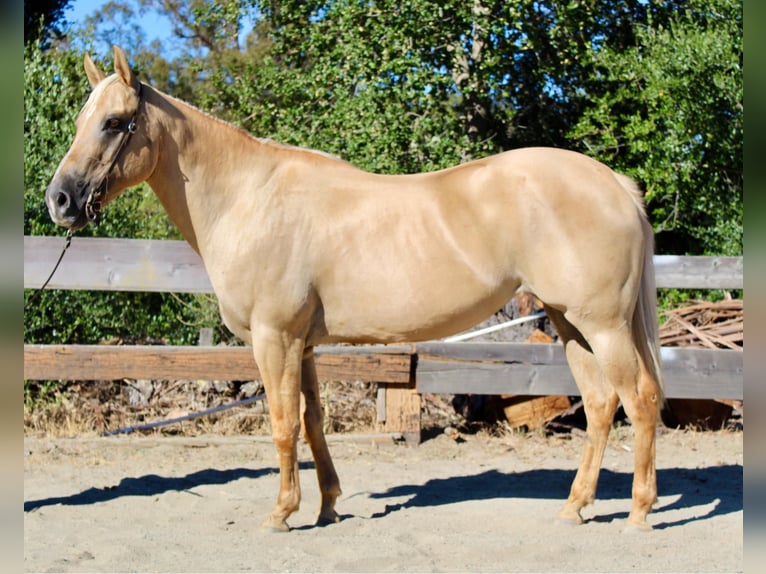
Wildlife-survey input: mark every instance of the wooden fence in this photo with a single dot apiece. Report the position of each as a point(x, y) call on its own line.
point(402, 372)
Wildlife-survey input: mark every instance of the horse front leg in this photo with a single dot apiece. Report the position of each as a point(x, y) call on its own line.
point(313, 417)
point(279, 357)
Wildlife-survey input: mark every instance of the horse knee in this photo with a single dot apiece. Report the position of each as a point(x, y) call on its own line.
point(285, 437)
point(600, 408)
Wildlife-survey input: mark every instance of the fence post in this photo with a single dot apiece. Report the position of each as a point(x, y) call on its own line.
point(399, 408)
point(205, 337)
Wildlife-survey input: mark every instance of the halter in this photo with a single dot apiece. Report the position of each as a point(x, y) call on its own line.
point(96, 196)
point(98, 193)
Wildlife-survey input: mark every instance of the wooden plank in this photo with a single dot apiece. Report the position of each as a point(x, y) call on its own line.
point(689, 373)
point(532, 412)
point(373, 363)
point(698, 272)
point(107, 362)
point(166, 265)
point(458, 377)
point(703, 373)
point(115, 265)
point(502, 352)
point(402, 405)
point(383, 367)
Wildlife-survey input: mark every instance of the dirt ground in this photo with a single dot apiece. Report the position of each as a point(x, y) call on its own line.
point(195, 504)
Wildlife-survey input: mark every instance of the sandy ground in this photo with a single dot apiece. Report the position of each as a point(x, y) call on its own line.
point(152, 504)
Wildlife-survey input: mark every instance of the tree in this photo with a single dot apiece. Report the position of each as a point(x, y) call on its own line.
point(670, 113)
point(115, 23)
point(498, 75)
point(48, 13)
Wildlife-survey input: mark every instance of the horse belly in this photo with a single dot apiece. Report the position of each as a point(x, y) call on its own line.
point(395, 308)
point(417, 264)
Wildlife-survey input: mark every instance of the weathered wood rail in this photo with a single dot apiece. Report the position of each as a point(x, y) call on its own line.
point(151, 265)
point(402, 372)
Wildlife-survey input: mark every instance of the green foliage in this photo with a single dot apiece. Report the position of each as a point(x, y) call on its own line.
point(348, 83)
point(43, 18)
point(41, 394)
point(671, 115)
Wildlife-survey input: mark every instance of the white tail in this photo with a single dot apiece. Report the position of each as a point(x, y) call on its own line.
point(645, 329)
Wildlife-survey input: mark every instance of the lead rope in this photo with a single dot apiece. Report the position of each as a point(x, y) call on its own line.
point(36, 294)
point(149, 426)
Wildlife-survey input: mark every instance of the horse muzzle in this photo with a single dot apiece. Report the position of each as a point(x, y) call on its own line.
point(66, 201)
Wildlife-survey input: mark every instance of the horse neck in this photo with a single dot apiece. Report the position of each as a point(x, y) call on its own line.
point(201, 162)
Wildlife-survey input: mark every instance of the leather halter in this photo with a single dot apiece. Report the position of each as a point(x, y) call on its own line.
point(96, 196)
point(98, 193)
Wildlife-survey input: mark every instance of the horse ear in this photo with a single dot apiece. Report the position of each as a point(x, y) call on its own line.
point(95, 75)
point(123, 70)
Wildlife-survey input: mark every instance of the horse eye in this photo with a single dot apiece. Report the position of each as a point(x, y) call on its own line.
point(112, 124)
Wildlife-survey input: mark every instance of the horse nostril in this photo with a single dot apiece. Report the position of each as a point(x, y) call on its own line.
point(62, 199)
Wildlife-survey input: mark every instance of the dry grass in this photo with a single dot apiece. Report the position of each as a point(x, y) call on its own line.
point(95, 407)
point(90, 408)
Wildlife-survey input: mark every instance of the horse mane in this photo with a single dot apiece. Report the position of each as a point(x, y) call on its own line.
point(96, 94)
point(243, 132)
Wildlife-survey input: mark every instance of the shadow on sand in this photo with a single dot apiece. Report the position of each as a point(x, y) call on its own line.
point(717, 485)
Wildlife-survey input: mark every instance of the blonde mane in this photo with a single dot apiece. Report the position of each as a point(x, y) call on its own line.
point(90, 104)
point(263, 141)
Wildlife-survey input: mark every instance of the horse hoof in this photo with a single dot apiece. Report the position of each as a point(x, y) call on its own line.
point(328, 518)
point(272, 524)
point(572, 518)
point(632, 527)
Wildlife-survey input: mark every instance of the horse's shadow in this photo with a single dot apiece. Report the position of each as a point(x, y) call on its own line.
point(720, 486)
point(152, 484)
point(717, 485)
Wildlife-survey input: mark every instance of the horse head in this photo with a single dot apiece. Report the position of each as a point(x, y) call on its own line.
point(111, 151)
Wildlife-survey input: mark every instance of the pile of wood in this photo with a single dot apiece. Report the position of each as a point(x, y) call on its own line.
point(703, 324)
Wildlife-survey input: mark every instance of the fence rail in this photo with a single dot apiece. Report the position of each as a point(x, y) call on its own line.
point(401, 371)
point(163, 362)
point(154, 265)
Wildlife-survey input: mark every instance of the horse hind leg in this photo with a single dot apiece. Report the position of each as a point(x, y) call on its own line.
point(329, 485)
point(618, 357)
point(600, 403)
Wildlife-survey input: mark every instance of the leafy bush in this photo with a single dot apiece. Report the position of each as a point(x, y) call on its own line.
point(671, 115)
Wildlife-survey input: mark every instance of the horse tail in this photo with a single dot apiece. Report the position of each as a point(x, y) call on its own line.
point(645, 327)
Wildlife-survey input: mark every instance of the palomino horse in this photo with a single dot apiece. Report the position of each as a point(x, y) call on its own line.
point(303, 248)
